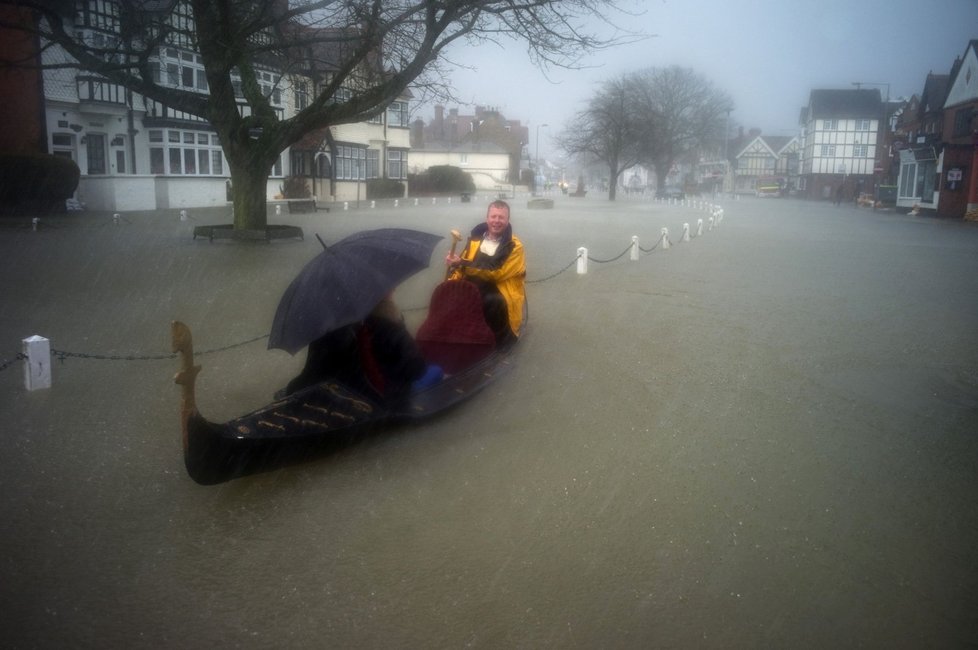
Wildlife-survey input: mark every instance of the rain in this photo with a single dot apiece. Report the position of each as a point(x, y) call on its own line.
point(762, 435)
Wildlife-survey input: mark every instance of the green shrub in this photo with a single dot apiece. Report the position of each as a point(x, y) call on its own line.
point(441, 179)
point(384, 188)
point(38, 178)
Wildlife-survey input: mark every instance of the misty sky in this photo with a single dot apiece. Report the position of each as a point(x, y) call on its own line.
point(767, 54)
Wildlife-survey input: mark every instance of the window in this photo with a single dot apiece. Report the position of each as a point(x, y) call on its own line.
point(962, 121)
point(96, 153)
point(100, 14)
point(828, 150)
point(862, 125)
point(373, 163)
point(397, 114)
point(301, 96)
point(396, 164)
point(860, 151)
point(182, 70)
point(350, 162)
point(829, 125)
point(194, 153)
point(63, 145)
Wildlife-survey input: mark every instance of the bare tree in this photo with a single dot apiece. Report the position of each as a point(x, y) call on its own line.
point(606, 130)
point(360, 54)
point(680, 113)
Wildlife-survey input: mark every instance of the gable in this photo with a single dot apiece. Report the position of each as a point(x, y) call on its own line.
point(756, 147)
point(964, 86)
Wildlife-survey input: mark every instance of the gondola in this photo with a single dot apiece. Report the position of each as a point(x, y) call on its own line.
point(302, 425)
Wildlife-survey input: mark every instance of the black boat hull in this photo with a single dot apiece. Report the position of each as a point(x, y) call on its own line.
point(319, 418)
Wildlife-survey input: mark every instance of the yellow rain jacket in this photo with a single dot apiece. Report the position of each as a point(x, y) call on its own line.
point(506, 269)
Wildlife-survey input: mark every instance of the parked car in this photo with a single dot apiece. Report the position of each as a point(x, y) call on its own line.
point(670, 193)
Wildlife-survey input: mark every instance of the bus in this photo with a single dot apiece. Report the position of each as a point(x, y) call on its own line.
point(770, 186)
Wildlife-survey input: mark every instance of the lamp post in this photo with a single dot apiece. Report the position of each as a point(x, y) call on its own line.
point(537, 157)
point(884, 129)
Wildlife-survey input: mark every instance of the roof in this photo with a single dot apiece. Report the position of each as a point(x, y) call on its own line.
point(935, 92)
point(778, 142)
point(845, 104)
point(463, 147)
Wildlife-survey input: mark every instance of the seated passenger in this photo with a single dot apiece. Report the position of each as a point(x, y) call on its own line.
point(494, 261)
point(375, 357)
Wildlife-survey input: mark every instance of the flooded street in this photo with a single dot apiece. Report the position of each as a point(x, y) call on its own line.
point(763, 437)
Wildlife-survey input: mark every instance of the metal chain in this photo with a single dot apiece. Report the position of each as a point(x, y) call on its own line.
point(9, 362)
point(613, 259)
point(63, 354)
point(554, 275)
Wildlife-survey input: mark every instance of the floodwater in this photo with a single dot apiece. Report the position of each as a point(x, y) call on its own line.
point(764, 437)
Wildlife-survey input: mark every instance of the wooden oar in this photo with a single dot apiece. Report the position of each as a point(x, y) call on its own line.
point(186, 377)
point(456, 238)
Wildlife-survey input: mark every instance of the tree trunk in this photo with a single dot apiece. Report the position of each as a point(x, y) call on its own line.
point(613, 184)
point(249, 181)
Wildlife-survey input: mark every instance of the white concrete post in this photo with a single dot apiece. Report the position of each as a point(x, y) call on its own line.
point(373, 204)
point(183, 215)
point(37, 369)
point(34, 222)
point(396, 202)
point(434, 200)
point(449, 200)
point(711, 223)
point(581, 260)
point(278, 209)
point(685, 236)
point(699, 227)
point(634, 254)
point(415, 203)
point(115, 218)
point(665, 239)
point(346, 205)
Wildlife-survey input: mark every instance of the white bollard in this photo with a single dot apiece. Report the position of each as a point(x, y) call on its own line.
point(373, 204)
point(34, 222)
point(449, 200)
point(37, 369)
point(711, 223)
point(278, 210)
point(115, 218)
point(183, 215)
point(665, 239)
point(434, 200)
point(415, 203)
point(581, 260)
point(395, 203)
point(685, 236)
point(346, 205)
point(699, 227)
point(634, 254)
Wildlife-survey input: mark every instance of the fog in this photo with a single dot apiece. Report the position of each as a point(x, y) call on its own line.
point(768, 55)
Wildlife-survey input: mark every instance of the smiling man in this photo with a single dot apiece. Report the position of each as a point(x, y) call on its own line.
point(494, 261)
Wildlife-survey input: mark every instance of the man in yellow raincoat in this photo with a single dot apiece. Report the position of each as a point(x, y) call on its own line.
point(493, 260)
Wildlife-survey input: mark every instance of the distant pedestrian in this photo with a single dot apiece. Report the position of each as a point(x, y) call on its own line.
point(838, 194)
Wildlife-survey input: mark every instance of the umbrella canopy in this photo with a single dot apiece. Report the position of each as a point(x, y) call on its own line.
point(345, 282)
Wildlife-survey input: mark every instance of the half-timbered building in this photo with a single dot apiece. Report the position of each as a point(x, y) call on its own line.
point(840, 133)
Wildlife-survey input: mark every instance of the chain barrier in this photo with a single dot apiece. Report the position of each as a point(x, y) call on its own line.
point(61, 355)
point(9, 362)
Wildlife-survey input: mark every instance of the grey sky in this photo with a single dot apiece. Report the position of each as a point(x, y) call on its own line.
point(767, 54)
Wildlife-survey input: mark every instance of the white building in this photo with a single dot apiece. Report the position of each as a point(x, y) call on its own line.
point(137, 154)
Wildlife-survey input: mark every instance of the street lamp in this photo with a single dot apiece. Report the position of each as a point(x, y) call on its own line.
point(537, 156)
point(884, 129)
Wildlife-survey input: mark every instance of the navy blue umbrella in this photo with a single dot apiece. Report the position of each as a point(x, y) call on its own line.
point(345, 282)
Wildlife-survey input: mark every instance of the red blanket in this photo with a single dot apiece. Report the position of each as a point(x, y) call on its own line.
point(455, 334)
